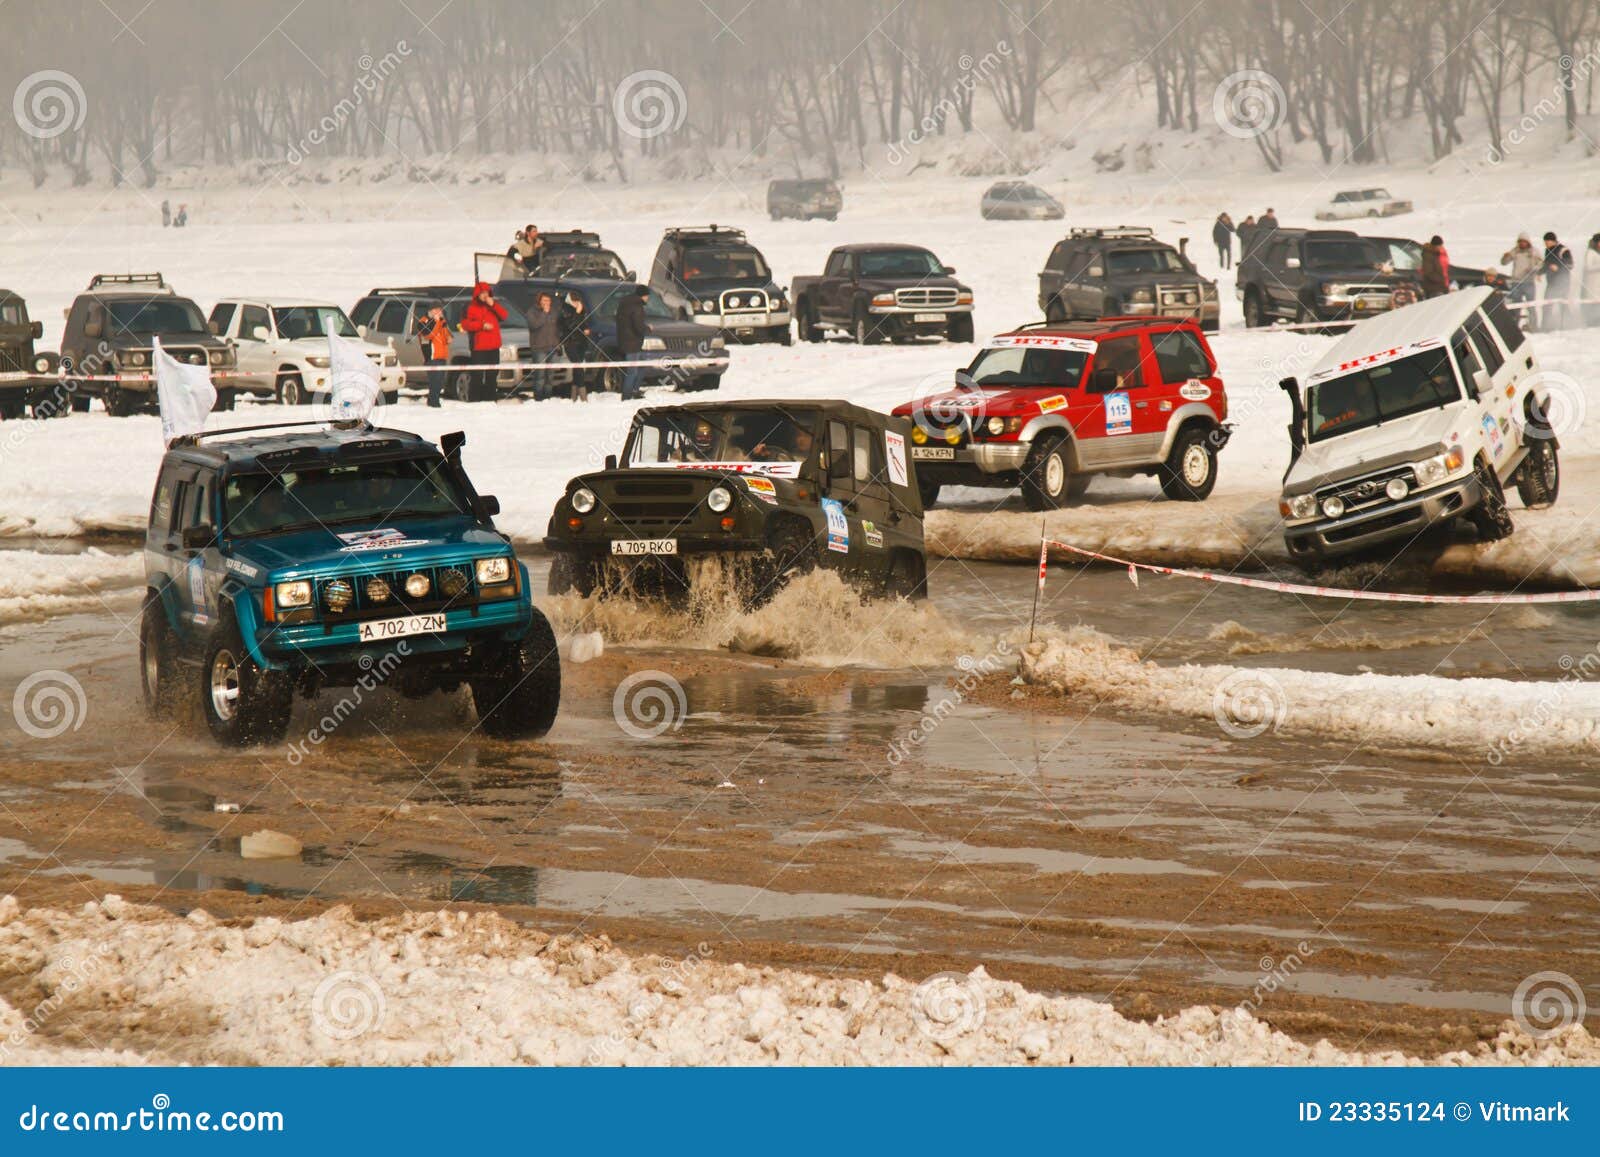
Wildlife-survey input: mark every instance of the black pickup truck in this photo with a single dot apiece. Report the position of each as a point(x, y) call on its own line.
point(1316, 275)
point(880, 291)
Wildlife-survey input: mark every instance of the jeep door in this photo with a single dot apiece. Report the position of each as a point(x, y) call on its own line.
point(191, 590)
point(1124, 426)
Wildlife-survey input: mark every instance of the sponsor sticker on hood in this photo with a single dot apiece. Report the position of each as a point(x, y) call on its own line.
point(770, 469)
point(383, 539)
point(1042, 341)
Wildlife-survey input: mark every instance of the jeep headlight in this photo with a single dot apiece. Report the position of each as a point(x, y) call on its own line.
point(1141, 297)
point(653, 343)
point(493, 570)
point(1303, 506)
point(320, 361)
point(719, 499)
point(583, 500)
point(292, 594)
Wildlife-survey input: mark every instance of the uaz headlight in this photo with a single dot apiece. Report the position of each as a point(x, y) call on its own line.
point(493, 570)
point(292, 594)
point(583, 500)
point(719, 499)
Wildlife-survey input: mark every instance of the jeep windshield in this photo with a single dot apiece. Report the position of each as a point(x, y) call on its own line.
point(1025, 366)
point(367, 494)
point(312, 321)
point(1343, 254)
point(1122, 262)
point(732, 435)
point(723, 261)
point(899, 263)
point(1379, 394)
point(154, 315)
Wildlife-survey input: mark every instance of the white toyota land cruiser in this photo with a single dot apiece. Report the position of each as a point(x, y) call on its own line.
point(283, 345)
point(1411, 420)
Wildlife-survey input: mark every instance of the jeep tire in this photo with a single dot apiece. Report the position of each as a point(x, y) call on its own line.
point(520, 700)
point(158, 658)
point(1539, 476)
point(242, 703)
point(1047, 479)
point(1190, 471)
point(1491, 517)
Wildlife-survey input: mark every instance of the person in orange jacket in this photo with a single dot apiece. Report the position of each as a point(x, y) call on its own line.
point(433, 335)
point(481, 321)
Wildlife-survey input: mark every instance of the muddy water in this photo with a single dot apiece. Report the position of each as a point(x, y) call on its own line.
point(879, 817)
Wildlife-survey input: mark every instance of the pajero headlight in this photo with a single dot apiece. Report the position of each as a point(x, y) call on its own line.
point(292, 594)
point(583, 500)
point(1302, 506)
point(1141, 297)
point(719, 499)
point(1436, 469)
point(653, 343)
point(493, 570)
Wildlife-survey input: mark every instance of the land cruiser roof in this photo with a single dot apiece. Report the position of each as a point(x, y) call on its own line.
point(1435, 317)
point(312, 440)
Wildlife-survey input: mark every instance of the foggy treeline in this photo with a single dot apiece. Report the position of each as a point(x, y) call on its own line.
point(812, 84)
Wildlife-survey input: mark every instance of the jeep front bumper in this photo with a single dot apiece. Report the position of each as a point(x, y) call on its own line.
point(1389, 522)
point(330, 644)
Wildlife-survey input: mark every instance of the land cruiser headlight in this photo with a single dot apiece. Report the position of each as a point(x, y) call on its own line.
point(1439, 467)
point(653, 343)
point(320, 361)
point(492, 570)
point(134, 357)
point(1333, 506)
point(1397, 489)
point(719, 499)
point(1303, 506)
point(1141, 297)
point(292, 594)
point(583, 500)
point(883, 299)
point(338, 595)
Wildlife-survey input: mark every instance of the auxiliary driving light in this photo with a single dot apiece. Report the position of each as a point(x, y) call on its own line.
point(1397, 489)
point(453, 583)
point(953, 435)
point(417, 585)
point(918, 435)
point(378, 591)
point(338, 595)
point(1333, 506)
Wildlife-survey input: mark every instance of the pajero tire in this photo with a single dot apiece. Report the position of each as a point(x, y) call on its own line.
point(521, 700)
point(1190, 472)
point(1047, 479)
point(242, 703)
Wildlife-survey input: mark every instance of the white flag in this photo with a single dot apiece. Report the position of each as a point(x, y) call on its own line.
point(184, 394)
point(353, 380)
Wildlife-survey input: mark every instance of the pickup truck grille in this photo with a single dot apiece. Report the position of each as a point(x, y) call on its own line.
point(744, 301)
point(681, 345)
point(926, 297)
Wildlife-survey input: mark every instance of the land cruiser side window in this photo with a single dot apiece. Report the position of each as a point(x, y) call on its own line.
point(1504, 322)
point(1466, 358)
point(1488, 352)
point(222, 315)
point(1116, 366)
point(1179, 356)
point(839, 452)
point(250, 317)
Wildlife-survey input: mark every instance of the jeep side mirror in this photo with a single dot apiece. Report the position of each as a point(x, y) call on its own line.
point(611, 461)
point(260, 333)
point(199, 537)
point(1482, 382)
point(486, 506)
point(38, 330)
point(452, 442)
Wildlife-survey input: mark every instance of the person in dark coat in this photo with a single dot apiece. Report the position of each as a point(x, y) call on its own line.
point(1556, 269)
point(1222, 234)
point(544, 339)
point(575, 343)
point(482, 321)
point(1247, 236)
point(1269, 221)
point(631, 331)
point(1435, 268)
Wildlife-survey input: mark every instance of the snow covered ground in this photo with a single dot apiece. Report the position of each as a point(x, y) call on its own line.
point(459, 988)
point(93, 473)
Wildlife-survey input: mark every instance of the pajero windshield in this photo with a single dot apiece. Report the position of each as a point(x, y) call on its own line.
point(723, 437)
point(1028, 366)
point(1381, 393)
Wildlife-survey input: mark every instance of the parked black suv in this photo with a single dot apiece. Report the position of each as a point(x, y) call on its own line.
point(1315, 275)
point(714, 276)
point(111, 329)
point(18, 333)
point(771, 489)
point(1124, 272)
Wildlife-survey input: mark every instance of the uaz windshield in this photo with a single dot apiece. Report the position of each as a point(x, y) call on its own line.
point(734, 435)
point(1022, 366)
point(155, 316)
point(367, 494)
point(1382, 393)
point(900, 263)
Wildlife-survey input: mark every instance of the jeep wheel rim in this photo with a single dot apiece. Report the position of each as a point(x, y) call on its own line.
point(1196, 465)
point(152, 669)
point(224, 684)
point(1055, 475)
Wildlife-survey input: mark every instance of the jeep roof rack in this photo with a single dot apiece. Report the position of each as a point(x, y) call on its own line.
point(195, 439)
point(729, 232)
point(1113, 232)
point(155, 279)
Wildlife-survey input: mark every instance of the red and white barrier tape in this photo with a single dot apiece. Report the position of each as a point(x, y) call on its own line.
point(463, 367)
point(1311, 590)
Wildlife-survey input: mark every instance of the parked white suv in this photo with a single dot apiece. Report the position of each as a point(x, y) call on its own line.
point(1413, 419)
point(283, 345)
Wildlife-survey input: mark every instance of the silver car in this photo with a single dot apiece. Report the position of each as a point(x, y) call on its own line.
point(1019, 201)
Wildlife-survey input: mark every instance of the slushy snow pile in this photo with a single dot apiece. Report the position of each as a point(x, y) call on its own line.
point(458, 988)
point(35, 584)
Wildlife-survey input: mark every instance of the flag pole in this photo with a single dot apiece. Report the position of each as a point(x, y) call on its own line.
point(1044, 556)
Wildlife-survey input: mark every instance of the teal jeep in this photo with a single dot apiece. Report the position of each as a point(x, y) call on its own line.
point(291, 558)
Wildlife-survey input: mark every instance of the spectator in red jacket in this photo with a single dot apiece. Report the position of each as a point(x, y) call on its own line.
point(481, 320)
